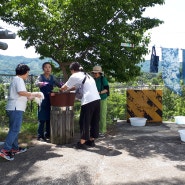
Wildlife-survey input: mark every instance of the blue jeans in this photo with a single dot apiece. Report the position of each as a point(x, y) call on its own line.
point(15, 122)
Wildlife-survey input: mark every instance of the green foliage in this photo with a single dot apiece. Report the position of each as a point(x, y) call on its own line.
point(3, 116)
point(29, 128)
point(173, 104)
point(90, 32)
point(168, 102)
point(77, 106)
point(116, 105)
point(30, 114)
point(2, 91)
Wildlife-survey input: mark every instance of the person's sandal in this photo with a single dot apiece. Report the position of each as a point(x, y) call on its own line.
point(90, 143)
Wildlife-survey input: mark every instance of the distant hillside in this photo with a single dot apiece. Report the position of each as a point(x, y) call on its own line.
point(9, 63)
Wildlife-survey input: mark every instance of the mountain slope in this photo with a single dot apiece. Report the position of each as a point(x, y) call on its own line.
point(9, 63)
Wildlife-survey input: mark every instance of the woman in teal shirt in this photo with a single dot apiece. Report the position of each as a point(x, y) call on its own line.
point(103, 89)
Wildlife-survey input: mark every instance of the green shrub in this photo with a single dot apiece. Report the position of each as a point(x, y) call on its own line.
point(116, 105)
point(173, 105)
point(3, 116)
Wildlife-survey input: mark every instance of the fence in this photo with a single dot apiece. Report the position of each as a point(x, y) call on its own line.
point(5, 81)
point(173, 104)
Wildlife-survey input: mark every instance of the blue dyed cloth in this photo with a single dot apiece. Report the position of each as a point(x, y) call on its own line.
point(183, 65)
point(171, 66)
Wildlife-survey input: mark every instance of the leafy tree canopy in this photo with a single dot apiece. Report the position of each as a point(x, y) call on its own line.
point(87, 31)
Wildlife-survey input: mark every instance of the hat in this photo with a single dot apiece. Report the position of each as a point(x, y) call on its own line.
point(97, 69)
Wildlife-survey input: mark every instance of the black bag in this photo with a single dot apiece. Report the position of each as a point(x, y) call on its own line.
point(79, 90)
point(154, 61)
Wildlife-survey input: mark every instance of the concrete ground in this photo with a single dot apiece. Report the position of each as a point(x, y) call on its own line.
point(150, 155)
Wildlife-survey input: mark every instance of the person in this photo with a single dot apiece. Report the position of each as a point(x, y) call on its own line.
point(16, 105)
point(103, 89)
point(45, 82)
point(90, 105)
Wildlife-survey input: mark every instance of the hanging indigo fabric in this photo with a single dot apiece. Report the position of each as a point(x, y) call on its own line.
point(170, 69)
point(183, 65)
point(154, 61)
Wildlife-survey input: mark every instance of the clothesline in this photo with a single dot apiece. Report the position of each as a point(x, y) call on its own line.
point(159, 52)
point(171, 73)
point(159, 47)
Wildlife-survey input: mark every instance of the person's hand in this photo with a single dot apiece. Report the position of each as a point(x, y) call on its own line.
point(33, 95)
point(30, 97)
point(62, 89)
point(52, 94)
point(38, 95)
point(41, 84)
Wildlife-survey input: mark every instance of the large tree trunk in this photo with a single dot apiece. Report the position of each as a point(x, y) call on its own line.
point(63, 67)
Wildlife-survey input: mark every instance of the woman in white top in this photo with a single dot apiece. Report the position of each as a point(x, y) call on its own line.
point(16, 105)
point(90, 105)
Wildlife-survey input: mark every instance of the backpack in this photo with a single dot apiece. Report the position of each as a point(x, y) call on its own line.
point(79, 90)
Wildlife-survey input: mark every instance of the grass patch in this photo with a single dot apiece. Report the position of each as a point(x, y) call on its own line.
point(27, 133)
point(3, 133)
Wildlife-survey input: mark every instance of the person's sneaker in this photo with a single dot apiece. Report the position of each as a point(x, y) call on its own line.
point(90, 143)
point(6, 155)
point(81, 146)
point(41, 138)
point(19, 151)
point(101, 135)
point(47, 136)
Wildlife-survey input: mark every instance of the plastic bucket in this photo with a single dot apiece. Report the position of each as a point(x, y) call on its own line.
point(136, 121)
point(179, 119)
point(182, 135)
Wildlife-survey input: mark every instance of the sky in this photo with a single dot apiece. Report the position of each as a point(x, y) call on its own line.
point(170, 34)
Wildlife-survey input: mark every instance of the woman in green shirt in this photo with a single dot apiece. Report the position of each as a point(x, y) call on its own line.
point(103, 89)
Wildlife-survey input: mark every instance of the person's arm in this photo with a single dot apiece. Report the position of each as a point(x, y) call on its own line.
point(65, 88)
point(105, 86)
point(69, 85)
point(29, 95)
point(103, 91)
point(56, 82)
point(38, 82)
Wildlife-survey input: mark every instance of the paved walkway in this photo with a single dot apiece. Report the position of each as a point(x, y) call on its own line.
point(150, 155)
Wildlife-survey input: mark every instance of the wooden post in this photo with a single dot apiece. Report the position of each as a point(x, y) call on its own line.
point(62, 125)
